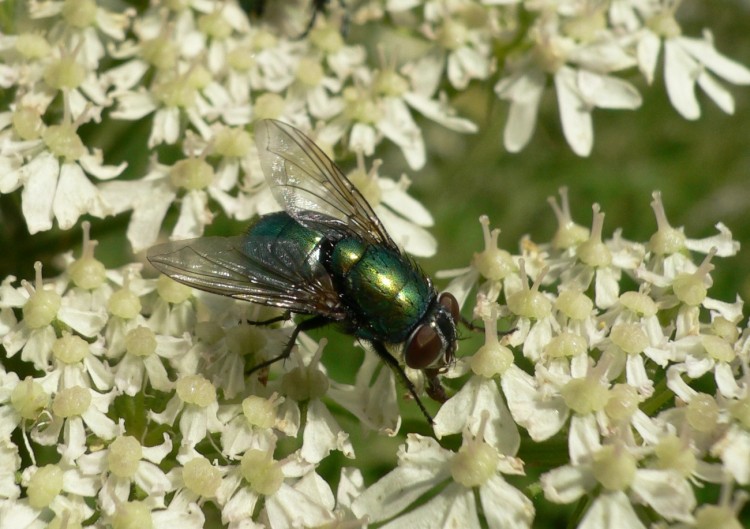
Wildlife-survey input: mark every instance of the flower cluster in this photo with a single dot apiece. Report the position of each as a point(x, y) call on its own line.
point(139, 385)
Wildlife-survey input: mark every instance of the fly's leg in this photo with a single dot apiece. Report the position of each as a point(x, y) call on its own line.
point(287, 315)
point(434, 388)
point(396, 367)
point(480, 328)
point(313, 323)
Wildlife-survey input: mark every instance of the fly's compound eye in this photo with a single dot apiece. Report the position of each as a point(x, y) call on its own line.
point(424, 348)
point(450, 304)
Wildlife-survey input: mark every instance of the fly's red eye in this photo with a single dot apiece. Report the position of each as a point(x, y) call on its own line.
point(425, 346)
point(451, 305)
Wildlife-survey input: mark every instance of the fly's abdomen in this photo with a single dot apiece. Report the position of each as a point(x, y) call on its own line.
point(388, 293)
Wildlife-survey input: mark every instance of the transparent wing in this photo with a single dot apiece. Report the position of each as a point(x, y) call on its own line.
point(269, 271)
point(310, 187)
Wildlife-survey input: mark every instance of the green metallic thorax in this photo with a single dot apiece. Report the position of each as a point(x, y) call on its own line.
point(386, 292)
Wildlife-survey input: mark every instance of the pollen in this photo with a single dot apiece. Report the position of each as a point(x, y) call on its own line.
point(201, 477)
point(124, 456)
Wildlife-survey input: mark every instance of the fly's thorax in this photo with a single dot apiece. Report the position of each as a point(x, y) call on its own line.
point(385, 291)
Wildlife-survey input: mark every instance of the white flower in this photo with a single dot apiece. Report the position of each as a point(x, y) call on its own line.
point(614, 467)
point(462, 47)
point(82, 25)
point(423, 465)
point(124, 463)
point(259, 475)
point(53, 177)
point(142, 365)
point(687, 61)
point(308, 382)
point(580, 66)
point(76, 411)
point(194, 401)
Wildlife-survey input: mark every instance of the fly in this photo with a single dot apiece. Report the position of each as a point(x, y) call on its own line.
point(328, 256)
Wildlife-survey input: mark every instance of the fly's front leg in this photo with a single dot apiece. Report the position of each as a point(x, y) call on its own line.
point(434, 388)
point(396, 367)
point(312, 323)
point(479, 328)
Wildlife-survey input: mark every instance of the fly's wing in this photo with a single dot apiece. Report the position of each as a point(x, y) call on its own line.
point(264, 270)
point(310, 187)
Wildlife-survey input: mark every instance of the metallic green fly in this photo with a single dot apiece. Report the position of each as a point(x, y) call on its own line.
point(328, 256)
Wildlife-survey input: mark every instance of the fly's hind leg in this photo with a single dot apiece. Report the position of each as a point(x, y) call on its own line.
point(312, 323)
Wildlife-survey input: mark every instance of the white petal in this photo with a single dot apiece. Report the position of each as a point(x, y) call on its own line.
point(166, 127)
point(680, 73)
point(607, 287)
point(74, 435)
point(637, 377)
point(398, 126)
point(133, 106)
point(76, 196)
point(439, 112)
point(704, 51)
point(92, 164)
point(148, 215)
point(363, 138)
point(465, 408)
point(193, 425)
point(725, 245)
point(151, 479)
point(423, 466)
point(734, 450)
point(194, 215)
point(605, 91)
point(575, 114)
point(75, 483)
point(648, 49)
point(317, 489)
point(542, 416)
point(40, 177)
point(189, 517)
point(351, 486)
point(453, 507)
point(524, 92)
point(602, 56)
point(323, 434)
point(725, 381)
point(100, 424)
point(10, 174)
point(404, 204)
point(19, 515)
point(667, 492)
point(412, 238)
point(567, 483)
point(505, 507)
point(583, 439)
point(10, 462)
point(717, 92)
point(611, 511)
point(291, 508)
